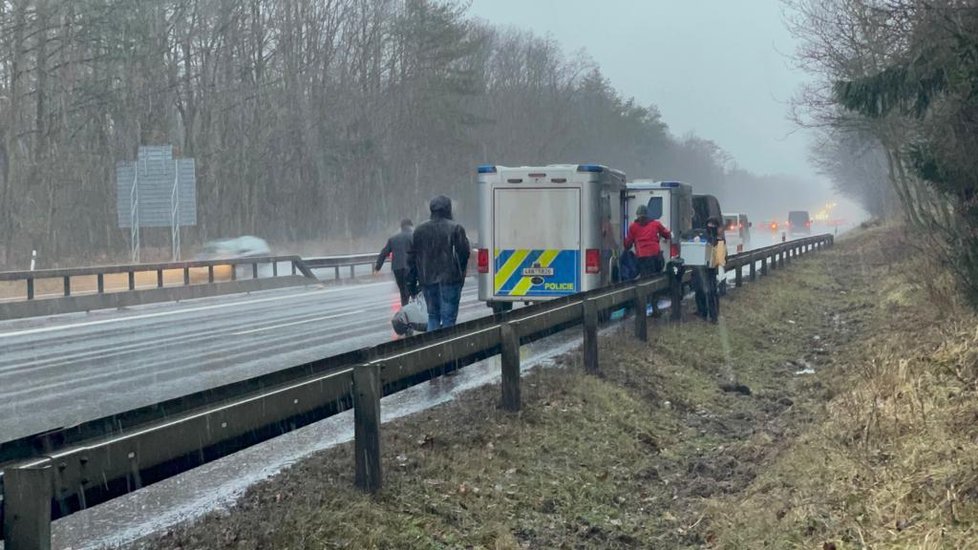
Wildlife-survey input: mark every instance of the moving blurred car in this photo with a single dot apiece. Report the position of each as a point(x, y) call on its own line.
point(233, 249)
point(799, 223)
point(736, 228)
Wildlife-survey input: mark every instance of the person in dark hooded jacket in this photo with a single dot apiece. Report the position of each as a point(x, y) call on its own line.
point(438, 258)
point(645, 233)
point(397, 248)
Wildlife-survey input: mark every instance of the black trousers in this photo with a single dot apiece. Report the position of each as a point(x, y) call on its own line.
point(401, 278)
point(649, 266)
point(707, 298)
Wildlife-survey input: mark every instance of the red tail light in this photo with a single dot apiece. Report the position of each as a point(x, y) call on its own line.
point(774, 226)
point(674, 251)
point(483, 260)
point(592, 260)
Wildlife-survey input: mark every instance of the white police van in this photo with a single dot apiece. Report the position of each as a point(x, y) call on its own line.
point(546, 231)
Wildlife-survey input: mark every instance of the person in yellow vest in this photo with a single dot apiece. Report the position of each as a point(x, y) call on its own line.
point(705, 278)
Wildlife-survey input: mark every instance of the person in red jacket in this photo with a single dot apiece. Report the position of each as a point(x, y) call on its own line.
point(645, 234)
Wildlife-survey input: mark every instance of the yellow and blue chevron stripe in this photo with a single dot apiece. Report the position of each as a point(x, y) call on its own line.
point(510, 281)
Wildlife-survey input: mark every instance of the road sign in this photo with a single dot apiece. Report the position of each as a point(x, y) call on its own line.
point(156, 190)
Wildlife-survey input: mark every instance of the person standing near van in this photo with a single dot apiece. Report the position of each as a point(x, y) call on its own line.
point(397, 248)
point(644, 234)
point(705, 278)
point(438, 259)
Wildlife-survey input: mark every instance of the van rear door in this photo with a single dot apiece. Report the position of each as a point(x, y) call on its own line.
point(537, 240)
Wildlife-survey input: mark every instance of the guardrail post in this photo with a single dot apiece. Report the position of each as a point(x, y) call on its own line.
point(294, 269)
point(366, 420)
point(591, 337)
point(30, 288)
point(337, 269)
point(274, 269)
point(739, 276)
point(352, 272)
point(234, 272)
point(676, 294)
point(210, 274)
point(510, 359)
point(639, 304)
point(27, 495)
point(132, 280)
point(764, 266)
point(781, 259)
point(159, 278)
point(67, 285)
point(753, 269)
point(186, 276)
point(100, 282)
point(254, 270)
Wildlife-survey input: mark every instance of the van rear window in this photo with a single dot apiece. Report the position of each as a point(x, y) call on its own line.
point(655, 208)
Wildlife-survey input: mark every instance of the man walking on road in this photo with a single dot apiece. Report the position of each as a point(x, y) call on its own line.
point(438, 258)
point(645, 233)
point(397, 248)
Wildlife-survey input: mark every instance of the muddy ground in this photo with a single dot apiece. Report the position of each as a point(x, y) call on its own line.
point(656, 452)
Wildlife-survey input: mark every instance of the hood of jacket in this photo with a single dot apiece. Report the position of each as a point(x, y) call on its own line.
point(441, 208)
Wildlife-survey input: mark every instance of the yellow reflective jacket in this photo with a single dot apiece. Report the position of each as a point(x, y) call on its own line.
point(719, 254)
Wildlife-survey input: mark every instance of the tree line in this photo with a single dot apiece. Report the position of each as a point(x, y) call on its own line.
point(308, 119)
point(896, 103)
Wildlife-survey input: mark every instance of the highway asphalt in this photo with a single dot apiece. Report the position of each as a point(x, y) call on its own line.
point(62, 370)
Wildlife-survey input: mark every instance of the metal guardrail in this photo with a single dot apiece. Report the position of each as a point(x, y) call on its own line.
point(336, 262)
point(352, 261)
point(29, 277)
point(61, 472)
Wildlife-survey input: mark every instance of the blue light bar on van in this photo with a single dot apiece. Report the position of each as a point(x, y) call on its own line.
point(487, 169)
point(669, 184)
point(590, 168)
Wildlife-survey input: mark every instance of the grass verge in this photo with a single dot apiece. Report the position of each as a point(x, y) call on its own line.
point(657, 452)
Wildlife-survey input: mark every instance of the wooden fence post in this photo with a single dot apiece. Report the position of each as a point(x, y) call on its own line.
point(366, 420)
point(27, 493)
point(590, 337)
point(510, 359)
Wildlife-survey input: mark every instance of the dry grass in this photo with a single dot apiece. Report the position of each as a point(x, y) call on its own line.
point(894, 464)
point(875, 448)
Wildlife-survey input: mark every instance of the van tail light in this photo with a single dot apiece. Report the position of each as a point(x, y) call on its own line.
point(674, 250)
point(592, 260)
point(483, 260)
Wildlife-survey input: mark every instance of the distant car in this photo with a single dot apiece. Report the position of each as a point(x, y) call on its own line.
point(235, 249)
point(799, 223)
point(240, 247)
point(736, 228)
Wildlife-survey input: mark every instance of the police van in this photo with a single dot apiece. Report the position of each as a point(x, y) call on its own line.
point(546, 231)
point(670, 202)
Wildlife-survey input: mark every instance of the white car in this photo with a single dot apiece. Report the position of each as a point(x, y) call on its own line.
point(237, 248)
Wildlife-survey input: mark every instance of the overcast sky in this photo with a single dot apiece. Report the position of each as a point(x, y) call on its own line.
point(719, 68)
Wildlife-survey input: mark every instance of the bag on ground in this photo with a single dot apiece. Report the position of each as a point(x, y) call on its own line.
point(413, 316)
point(628, 266)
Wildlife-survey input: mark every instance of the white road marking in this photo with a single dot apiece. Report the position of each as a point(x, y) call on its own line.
point(293, 323)
point(177, 312)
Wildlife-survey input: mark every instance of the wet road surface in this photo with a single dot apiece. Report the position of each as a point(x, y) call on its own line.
point(62, 370)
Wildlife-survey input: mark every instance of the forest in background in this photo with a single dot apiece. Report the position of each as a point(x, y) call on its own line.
point(309, 120)
point(895, 101)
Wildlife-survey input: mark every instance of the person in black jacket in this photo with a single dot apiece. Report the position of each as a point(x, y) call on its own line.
point(438, 258)
point(705, 278)
point(397, 248)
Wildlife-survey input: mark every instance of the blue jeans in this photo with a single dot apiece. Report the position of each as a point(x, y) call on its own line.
point(442, 300)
